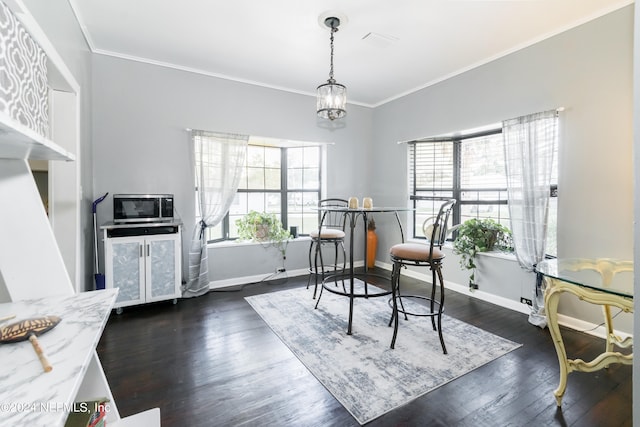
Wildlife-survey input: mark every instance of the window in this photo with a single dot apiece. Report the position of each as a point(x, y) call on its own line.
point(282, 177)
point(470, 168)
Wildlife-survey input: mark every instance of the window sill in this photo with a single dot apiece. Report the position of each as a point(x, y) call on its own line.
point(499, 254)
point(491, 254)
point(239, 243)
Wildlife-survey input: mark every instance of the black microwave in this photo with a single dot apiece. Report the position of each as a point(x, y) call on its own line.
point(142, 208)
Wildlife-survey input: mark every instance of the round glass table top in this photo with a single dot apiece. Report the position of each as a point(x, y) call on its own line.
point(361, 209)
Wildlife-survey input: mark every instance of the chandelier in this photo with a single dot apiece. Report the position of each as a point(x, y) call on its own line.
point(331, 96)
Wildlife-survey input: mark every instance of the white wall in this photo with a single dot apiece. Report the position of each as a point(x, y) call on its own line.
point(587, 70)
point(58, 22)
point(64, 185)
point(636, 204)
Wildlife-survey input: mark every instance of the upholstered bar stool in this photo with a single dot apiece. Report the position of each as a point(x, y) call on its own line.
point(422, 255)
point(331, 233)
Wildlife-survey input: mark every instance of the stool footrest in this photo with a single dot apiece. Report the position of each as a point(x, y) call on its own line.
point(430, 313)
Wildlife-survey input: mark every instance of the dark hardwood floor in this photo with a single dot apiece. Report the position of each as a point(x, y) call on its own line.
point(212, 361)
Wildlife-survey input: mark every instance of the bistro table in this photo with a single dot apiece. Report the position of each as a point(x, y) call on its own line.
point(352, 216)
point(605, 282)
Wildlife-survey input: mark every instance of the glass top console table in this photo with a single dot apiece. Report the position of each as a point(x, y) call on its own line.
point(605, 282)
point(353, 291)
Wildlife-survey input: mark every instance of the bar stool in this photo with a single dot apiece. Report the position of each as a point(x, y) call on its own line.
point(332, 233)
point(422, 255)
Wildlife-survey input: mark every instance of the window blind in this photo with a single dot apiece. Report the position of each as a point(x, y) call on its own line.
point(432, 174)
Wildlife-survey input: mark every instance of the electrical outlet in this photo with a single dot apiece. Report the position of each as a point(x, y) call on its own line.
point(526, 301)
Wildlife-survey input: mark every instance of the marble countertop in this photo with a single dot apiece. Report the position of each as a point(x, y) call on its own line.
point(28, 395)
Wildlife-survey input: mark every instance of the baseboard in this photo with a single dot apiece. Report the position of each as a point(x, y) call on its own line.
point(461, 289)
point(588, 327)
point(244, 280)
point(567, 321)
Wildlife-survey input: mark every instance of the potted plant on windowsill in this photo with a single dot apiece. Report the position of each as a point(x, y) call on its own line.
point(480, 235)
point(265, 228)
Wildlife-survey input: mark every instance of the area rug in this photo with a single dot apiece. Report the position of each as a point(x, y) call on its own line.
point(360, 370)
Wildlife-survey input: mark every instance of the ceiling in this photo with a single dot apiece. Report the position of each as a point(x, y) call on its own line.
point(281, 44)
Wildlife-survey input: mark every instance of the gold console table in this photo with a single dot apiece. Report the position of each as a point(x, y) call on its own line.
point(605, 282)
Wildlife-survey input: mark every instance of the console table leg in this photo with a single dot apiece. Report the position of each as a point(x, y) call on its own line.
point(551, 299)
point(609, 328)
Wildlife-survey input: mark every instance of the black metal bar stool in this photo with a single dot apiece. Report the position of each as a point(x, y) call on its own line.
point(422, 255)
point(331, 232)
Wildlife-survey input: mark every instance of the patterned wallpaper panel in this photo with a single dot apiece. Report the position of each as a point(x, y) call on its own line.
point(23, 75)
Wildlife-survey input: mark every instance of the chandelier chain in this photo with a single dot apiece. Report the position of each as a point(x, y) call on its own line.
point(332, 96)
point(333, 30)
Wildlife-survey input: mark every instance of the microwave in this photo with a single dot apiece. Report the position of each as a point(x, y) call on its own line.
point(129, 208)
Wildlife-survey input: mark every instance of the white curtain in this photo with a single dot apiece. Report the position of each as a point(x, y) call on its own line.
point(218, 162)
point(529, 146)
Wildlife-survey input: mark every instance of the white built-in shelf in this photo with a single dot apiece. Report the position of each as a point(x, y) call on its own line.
point(28, 395)
point(59, 76)
point(17, 141)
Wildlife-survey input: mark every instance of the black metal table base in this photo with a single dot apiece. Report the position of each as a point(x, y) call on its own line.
point(330, 282)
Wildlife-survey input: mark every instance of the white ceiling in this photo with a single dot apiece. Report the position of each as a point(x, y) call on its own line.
point(281, 44)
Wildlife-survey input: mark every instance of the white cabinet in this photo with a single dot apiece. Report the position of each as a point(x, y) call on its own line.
point(145, 266)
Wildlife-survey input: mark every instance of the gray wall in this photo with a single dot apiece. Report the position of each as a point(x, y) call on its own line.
point(141, 111)
point(587, 70)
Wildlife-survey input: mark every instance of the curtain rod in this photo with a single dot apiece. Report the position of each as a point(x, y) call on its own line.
point(273, 142)
point(408, 141)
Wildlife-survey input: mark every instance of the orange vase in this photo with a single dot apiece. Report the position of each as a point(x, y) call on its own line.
point(372, 245)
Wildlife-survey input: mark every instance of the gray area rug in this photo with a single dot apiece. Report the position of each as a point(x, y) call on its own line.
point(360, 370)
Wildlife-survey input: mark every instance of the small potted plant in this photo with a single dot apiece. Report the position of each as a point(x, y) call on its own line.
point(480, 235)
point(263, 227)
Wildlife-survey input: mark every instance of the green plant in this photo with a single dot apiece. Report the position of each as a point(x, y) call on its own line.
point(263, 227)
point(480, 235)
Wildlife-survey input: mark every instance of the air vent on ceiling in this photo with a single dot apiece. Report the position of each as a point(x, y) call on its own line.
point(379, 40)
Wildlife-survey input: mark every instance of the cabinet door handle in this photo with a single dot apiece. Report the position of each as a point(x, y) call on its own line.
point(148, 250)
point(140, 250)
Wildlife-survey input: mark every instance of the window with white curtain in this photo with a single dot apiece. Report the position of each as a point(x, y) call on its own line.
point(468, 166)
point(279, 176)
